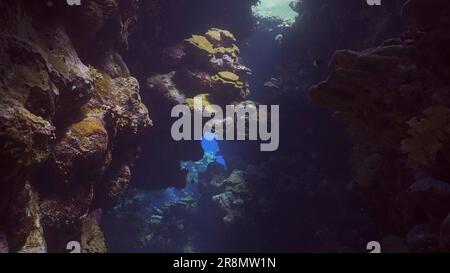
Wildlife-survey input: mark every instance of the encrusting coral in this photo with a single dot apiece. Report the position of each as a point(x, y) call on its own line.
point(209, 64)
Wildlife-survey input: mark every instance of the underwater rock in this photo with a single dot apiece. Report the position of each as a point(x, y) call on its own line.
point(113, 65)
point(83, 146)
point(164, 85)
point(100, 25)
point(61, 116)
point(28, 143)
point(92, 240)
point(62, 215)
point(392, 98)
point(24, 229)
point(115, 182)
point(231, 200)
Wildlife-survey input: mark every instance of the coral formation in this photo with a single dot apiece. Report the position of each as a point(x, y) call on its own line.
point(232, 198)
point(64, 122)
point(394, 99)
point(92, 240)
point(205, 67)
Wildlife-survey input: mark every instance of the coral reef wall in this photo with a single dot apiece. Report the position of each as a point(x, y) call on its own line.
point(69, 115)
point(395, 100)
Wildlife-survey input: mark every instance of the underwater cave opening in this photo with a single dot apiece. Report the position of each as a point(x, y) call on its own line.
point(282, 9)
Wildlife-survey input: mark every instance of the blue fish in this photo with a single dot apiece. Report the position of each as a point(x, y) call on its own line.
point(209, 145)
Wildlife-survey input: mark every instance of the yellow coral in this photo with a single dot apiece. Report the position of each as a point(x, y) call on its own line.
point(202, 43)
point(102, 83)
point(88, 127)
point(213, 35)
point(204, 99)
point(227, 77)
point(85, 130)
point(233, 51)
point(427, 136)
point(216, 34)
point(103, 91)
point(212, 39)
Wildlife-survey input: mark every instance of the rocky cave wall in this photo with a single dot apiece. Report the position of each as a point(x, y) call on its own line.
point(394, 98)
point(67, 125)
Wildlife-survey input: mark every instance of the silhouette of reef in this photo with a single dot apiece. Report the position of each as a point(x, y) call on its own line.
point(394, 98)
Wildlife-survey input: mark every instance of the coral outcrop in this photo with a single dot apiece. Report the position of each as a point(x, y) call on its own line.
point(394, 99)
point(163, 23)
point(67, 125)
point(209, 64)
point(229, 195)
point(202, 66)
